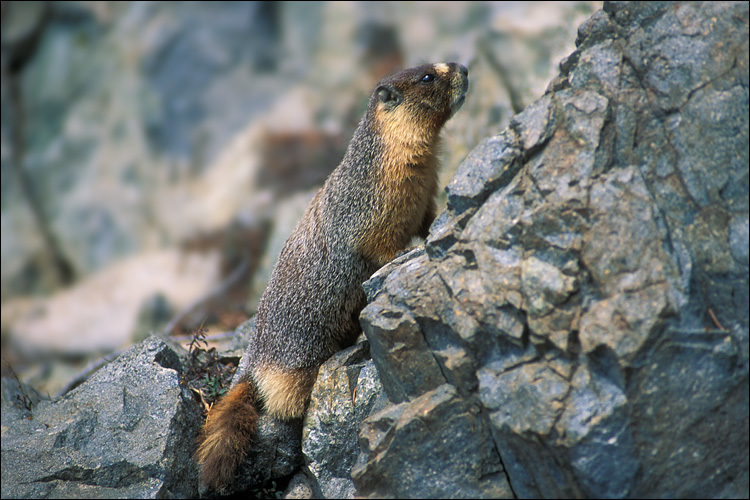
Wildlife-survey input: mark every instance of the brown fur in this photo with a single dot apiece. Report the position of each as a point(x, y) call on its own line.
point(285, 391)
point(227, 435)
point(408, 181)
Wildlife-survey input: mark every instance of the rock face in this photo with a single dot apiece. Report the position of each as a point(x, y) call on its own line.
point(578, 323)
point(128, 432)
point(347, 391)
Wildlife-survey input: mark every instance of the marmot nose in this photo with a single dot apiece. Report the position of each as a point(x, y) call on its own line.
point(460, 68)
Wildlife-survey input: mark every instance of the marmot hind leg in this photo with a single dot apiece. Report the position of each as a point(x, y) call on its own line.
point(284, 391)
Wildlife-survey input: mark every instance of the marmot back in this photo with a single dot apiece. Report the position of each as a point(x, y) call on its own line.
point(379, 197)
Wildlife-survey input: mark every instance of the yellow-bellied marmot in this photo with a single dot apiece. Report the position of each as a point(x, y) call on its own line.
point(379, 197)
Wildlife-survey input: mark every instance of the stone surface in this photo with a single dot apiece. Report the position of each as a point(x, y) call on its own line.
point(100, 313)
point(425, 448)
point(300, 487)
point(146, 124)
point(346, 392)
point(585, 294)
point(129, 431)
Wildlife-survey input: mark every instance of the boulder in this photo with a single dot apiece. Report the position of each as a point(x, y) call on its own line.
point(127, 432)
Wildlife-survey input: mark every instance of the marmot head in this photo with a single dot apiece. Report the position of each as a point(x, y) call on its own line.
point(415, 103)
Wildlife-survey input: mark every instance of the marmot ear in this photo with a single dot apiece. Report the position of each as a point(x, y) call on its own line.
point(388, 95)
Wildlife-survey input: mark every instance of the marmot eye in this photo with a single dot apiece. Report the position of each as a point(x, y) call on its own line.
point(428, 78)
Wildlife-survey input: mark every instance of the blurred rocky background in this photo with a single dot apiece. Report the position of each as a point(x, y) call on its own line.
point(156, 155)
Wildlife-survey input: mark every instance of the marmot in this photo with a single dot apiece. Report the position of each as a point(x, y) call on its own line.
point(379, 197)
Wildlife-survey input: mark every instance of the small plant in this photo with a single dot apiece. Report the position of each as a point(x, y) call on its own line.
point(205, 372)
point(214, 387)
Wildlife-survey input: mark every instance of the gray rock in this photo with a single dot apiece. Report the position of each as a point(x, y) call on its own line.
point(395, 337)
point(114, 88)
point(576, 325)
point(489, 166)
point(425, 447)
point(18, 396)
point(127, 104)
point(346, 392)
point(129, 431)
point(585, 295)
point(299, 487)
point(535, 124)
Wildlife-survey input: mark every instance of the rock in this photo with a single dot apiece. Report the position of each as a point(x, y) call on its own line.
point(125, 107)
point(580, 311)
point(576, 324)
point(129, 431)
point(127, 163)
point(143, 121)
point(18, 396)
point(438, 422)
point(489, 166)
point(347, 391)
point(154, 313)
point(299, 487)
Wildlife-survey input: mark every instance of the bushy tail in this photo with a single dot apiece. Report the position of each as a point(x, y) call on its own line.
point(227, 435)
